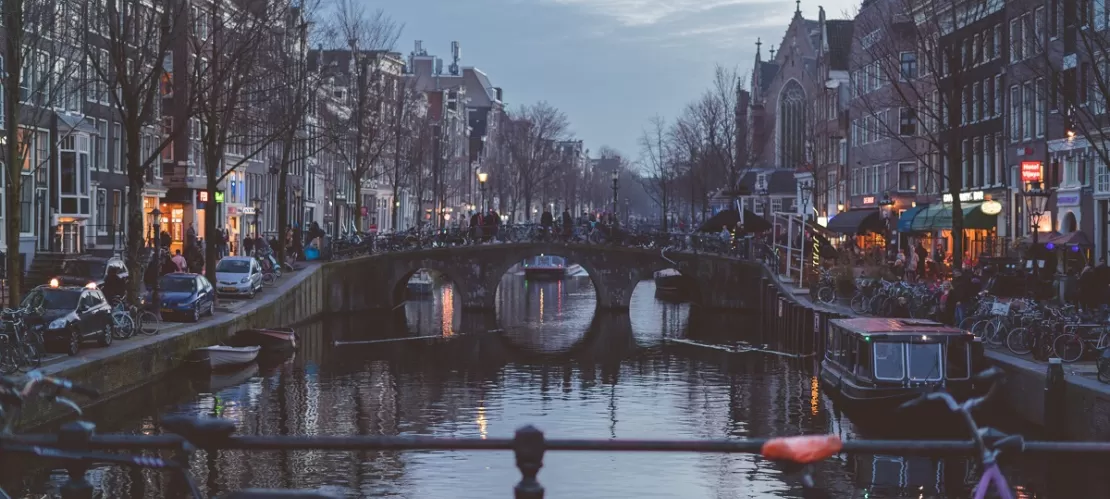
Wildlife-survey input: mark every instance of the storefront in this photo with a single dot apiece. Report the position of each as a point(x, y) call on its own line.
point(932, 226)
point(234, 229)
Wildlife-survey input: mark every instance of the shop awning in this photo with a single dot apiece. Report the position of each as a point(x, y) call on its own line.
point(856, 221)
point(1076, 238)
point(905, 221)
point(940, 217)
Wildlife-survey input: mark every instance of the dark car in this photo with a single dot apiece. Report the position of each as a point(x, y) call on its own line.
point(69, 315)
point(86, 269)
point(186, 295)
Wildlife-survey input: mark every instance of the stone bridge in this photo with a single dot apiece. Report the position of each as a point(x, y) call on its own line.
point(379, 281)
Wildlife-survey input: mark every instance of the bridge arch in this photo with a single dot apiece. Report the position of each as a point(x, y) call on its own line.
point(399, 286)
point(503, 265)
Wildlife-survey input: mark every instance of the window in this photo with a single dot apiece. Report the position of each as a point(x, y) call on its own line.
point(998, 95)
point(908, 68)
point(990, 157)
point(117, 149)
point(1098, 13)
point(1028, 114)
point(27, 202)
point(907, 176)
point(3, 114)
point(989, 50)
point(997, 41)
point(102, 86)
point(1042, 107)
point(101, 146)
point(1016, 47)
point(1039, 27)
point(890, 362)
point(976, 100)
point(1015, 113)
point(1055, 18)
point(958, 359)
point(1071, 171)
point(101, 211)
point(1029, 36)
point(907, 118)
point(925, 361)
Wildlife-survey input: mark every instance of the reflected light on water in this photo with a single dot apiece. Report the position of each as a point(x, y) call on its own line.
point(559, 299)
point(814, 396)
point(448, 315)
point(482, 421)
point(541, 305)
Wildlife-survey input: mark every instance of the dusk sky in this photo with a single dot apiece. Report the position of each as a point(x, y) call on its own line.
point(608, 64)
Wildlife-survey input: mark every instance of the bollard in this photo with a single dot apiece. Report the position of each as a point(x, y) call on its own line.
point(76, 436)
point(1055, 400)
point(528, 447)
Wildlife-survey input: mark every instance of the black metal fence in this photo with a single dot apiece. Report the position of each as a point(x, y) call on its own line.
point(76, 443)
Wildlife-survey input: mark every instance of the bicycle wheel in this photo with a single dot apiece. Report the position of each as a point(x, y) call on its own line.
point(30, 356)
point(268, 279)
point(123, 326)
point(859, 303)
point(826, 295)
point(992, 333)
point(149, 323)
point(1020, 341)
point(1068, 347)
point(9, 363)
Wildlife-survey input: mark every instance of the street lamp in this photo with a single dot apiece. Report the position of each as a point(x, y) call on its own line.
point(482, 177)
point(1035, 200)
point(156, 224)
point(256, 203)
point(616, 187)
point(766, 195)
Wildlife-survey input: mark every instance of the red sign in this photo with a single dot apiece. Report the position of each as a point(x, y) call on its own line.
point(1030, 171)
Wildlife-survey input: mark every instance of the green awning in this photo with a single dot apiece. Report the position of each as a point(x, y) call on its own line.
point(940, 217)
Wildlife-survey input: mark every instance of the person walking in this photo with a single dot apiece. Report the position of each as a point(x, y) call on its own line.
point(179, 261)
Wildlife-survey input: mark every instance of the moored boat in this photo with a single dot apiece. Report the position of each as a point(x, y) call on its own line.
point(270, 339)
point(220, 356)
point(545, 267)
point(228, 378)
point(421, 284)
point(672, 286)
point(880, 363)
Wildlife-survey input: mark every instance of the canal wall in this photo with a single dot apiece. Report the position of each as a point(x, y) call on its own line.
point(1067, 406)
point(128, 364)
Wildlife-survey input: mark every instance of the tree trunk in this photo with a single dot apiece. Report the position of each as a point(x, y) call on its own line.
point(11, 199)
point(283, 192)
point(356, 178)
point(211, 212)
point(136, 179)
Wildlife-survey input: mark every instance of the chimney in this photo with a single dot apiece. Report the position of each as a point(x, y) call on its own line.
point(439, 66)
point(498, 90)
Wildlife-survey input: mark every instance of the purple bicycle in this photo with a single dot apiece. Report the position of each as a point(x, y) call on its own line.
point(992, 476)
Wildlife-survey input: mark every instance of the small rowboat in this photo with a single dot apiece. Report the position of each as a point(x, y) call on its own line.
point(220, 356)
point(271, 340)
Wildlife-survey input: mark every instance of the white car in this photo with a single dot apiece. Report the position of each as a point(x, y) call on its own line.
point(238, 276)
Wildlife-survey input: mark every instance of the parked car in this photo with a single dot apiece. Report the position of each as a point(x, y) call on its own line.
point(85, 269)
point(70, 315)
point(238, 276)
point(189, 296)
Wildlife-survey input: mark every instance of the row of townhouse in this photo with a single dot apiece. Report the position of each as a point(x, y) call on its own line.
point(74, 192)
point(874, 110)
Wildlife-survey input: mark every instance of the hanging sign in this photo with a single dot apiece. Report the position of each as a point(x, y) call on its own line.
point(1030, 171)
point(966, 197)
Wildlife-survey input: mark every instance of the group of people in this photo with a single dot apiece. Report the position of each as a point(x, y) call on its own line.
point(484, 226)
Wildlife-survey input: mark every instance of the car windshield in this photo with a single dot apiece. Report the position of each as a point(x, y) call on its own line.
point(85, 268)
point(178, 284)
point(53, 299)
point(233, 266)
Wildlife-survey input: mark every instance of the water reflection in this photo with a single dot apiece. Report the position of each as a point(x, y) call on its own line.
point(580, 374)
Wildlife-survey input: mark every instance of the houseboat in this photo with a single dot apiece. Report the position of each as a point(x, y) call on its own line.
point(545, 267)
point(881, 363)
point(672, 286)
point(421, 284)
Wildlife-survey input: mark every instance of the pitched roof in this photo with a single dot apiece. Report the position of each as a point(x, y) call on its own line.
point(840, 42)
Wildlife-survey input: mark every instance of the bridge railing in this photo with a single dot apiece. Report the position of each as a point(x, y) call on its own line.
point(599, 235)
point(78, 443)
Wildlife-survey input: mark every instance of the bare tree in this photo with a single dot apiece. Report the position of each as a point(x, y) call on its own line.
point(235, 91)
point(657, 164)
point(131, 69)
point(375, 83)
point(530, 138)
point(42, 57)
point(409, 113)
point(918, 104)
point(715, 116)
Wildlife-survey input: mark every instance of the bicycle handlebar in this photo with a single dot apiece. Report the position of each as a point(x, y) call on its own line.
point(35, 379)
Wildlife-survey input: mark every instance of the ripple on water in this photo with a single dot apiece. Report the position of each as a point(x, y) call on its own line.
point(482, 390)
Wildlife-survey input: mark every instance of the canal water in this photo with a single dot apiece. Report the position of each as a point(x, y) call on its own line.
point(557, 365)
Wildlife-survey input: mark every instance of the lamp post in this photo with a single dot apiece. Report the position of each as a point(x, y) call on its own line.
point(1036, 197)
point(256, 203)
point(156, 225)
point(763, 193)
point(886, 206)
point(616, 187)
point(482, 177)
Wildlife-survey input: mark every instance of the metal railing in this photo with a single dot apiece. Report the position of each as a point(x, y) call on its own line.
point(76, 441)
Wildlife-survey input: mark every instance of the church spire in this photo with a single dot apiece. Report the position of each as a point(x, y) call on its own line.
point(772, 53)
point(798, 7)
point(758, 46)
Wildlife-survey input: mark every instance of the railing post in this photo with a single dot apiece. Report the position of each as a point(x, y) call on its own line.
point(528, 447)
point(76, 436)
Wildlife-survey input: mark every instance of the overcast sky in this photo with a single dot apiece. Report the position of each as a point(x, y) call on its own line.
point(608, 64)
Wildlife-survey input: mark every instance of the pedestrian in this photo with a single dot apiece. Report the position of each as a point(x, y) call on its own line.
point(248, 245)
point(179, 261)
